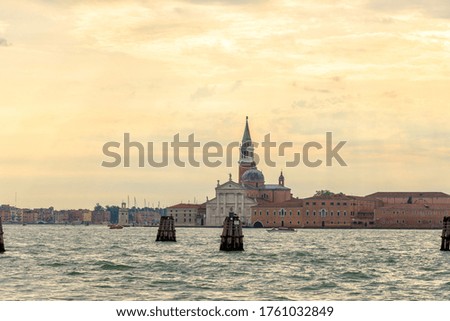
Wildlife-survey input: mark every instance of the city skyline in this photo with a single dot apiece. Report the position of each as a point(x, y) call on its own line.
point(76, 76)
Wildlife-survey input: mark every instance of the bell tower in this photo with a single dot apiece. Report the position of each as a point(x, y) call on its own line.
point(246, 152)
point(281, 179)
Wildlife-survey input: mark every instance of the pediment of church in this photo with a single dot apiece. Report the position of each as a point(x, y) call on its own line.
point(230, 185)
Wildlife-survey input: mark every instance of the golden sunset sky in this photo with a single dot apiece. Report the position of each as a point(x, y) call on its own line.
point(77, 74)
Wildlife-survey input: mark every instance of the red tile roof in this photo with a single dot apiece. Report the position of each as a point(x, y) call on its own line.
point(408, 194)
point(185, 205)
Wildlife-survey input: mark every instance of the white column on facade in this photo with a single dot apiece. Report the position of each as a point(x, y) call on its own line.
point(217, 211)
point(236, 203)
point(220, 211)
point(224, 206)
point(243, 207)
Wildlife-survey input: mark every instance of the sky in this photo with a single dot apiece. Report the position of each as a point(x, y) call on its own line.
point(75, 75)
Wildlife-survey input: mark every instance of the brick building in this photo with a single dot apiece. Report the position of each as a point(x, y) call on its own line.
point(186, 214)
point(411, 209)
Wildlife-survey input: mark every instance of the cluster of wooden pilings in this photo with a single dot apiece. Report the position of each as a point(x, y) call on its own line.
point(166, 230)
point(2, 244)
point(232, 238)
point(445, 245)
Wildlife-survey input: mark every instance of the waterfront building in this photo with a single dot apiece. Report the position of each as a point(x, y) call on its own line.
point(186, 214)
point(87, 217)
point(101, 216)
point(123, 215)
point(412, 197)
point(411, 209)
point(324, 209)
point(30, 216)
point(147, 217)
point(76, 216)
point(62, 217)
point(327, 209)
point(6, 213)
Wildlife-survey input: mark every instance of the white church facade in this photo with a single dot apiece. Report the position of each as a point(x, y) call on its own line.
point(230, 196)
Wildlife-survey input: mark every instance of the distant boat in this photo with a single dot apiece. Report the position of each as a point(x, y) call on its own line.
point(115, 227)
point(282, 229)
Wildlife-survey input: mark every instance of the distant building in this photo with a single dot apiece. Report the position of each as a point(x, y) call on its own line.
point(62, 217)
point(30, 216)
point(147, 217)
point(411, 209)
point(87, 217)
point(11, 214)
point(123, 215)
point(5, 213)
point(274, 214)
point(412, 197)
point(324, 209)
point(101, 216)
point(186, 214)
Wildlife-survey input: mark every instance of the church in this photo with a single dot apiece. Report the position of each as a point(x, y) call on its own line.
point(249, 191)
point(271, 205)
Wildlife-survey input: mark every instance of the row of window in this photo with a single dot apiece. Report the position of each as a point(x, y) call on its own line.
point(419, 221)
point(307, 222)
point(177, 211)
point(323, 213)
point(330, 203)
point(176, 215)
point(412, 212)
point(281, 213)
point(184, 220)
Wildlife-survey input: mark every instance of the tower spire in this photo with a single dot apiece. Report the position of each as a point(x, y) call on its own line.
point(246, 160)
point(246, 138)
point(281, 179)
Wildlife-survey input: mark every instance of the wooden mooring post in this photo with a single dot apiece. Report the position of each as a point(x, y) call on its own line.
point(232, 238)
point(2, 244)
point(445, 245)
point(166, 230)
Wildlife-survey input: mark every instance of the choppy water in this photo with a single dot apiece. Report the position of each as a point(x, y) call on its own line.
point(95, 263)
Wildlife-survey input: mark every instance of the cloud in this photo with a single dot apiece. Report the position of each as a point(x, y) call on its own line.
point(390, 94)
point(435, 8)
point(317, 90)
point(226, 2)
point(202, 92)
point(236, 85)
point(3, 42)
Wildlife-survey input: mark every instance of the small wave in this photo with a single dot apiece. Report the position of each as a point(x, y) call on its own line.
point(320, 286)
point(355, 275)
point(298, 254)
point(302, 277)
point(102, 286)
point(54, 264)
point(73, 273)
point(106, 265)
point(391, 259)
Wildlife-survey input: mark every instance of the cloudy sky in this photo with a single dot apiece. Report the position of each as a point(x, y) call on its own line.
point(77, 74)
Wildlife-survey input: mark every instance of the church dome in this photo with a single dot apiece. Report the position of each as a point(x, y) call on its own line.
point(253, 175)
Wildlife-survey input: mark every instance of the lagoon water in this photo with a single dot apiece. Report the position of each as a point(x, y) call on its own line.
point(48, 262)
